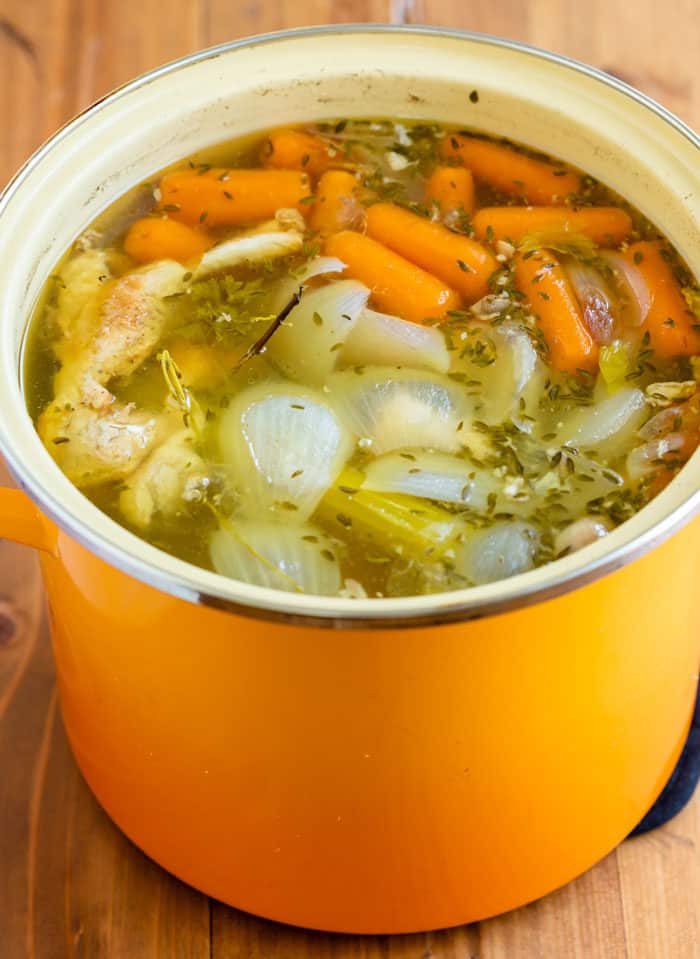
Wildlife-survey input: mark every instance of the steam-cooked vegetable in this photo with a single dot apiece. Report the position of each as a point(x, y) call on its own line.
point(616, 417)
point(440, 477)
point(511, 172)
point(634, 292)
point(306, 346)
point(671, 325)
point(286, 446)
point(615, 363)
point(160, 238)
point(337, 206)
point(397, 285)
point(394, 409)
point(505, 549)
point(546, 288)
point(297, 150)
point(389, 341)
point(297, 559)
point(388, 524)
point(220, 197)
point(510, 386)
point(596, 299)
point(463, 263)
point(451, 190)
point(607, 226)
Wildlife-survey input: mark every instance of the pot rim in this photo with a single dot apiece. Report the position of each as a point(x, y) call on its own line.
point(667, 512)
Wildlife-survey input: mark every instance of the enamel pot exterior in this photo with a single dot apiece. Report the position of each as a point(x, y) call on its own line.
point(378, 780)
point(372, 779)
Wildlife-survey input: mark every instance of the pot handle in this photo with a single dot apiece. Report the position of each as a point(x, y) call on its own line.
point(22, 522)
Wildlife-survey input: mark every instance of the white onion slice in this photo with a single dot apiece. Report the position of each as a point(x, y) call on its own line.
point(287, 287)
point(305, 347)
point(574, 489)
point(438, 476)
point(643, 460)
point(286, 445)
point(662, 422)
point(514, 378)
point(615, 418)
point(632, 286)
point(393, 409)
point(385, 340)
point(502, 550)
point(290, 558)
point(597, 300)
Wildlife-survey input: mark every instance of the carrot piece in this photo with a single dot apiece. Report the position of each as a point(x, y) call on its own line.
point(337, 206)
point(202, 367)
point(160, 238)
point(511, 172)
point(605, 225)
point(231, 197)
point(454, 258)
point(452, 189)
point(397, 285)
point(671, 325)
point(296, 150)
point(541, 279)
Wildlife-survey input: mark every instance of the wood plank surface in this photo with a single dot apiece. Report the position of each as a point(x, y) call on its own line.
point(71, 886)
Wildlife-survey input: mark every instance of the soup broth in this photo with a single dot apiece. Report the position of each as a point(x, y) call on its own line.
point(368, 358)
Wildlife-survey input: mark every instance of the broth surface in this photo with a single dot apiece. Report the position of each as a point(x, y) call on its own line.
point(368, 358)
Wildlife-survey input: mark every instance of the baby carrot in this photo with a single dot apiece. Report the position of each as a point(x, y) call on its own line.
point(544, 284)
point(296, 150)
point(511, 172)
point(452, 189)
point(605, 225)
point(159, 238)
point(397, 285)
point(671, 325)
point(231, 197)
point(454, 258)
point(202, 367)
point(337, 206)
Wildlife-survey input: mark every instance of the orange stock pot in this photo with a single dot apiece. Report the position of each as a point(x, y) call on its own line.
point(379, 765)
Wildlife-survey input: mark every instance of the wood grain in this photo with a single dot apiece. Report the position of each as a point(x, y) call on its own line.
point(71, 886)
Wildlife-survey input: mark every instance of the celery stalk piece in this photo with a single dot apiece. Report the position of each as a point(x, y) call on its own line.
point(394, 524)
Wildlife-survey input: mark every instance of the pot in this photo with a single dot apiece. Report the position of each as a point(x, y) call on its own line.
point(302, 757)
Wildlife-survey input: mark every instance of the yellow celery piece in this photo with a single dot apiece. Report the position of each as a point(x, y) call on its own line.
point(394, 523)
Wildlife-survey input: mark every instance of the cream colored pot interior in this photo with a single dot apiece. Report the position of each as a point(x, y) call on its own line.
point(543, 101)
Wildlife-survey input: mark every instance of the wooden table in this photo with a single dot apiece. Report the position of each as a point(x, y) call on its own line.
point(70, 884)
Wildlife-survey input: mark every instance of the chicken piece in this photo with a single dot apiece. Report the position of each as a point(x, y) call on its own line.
point(92, 447)
point(80, 284)
point(270, 240)
point(133, 320)
point(161, 483)
point(109, 330)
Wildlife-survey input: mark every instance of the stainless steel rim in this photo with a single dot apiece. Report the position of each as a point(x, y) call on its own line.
point(460, 605)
